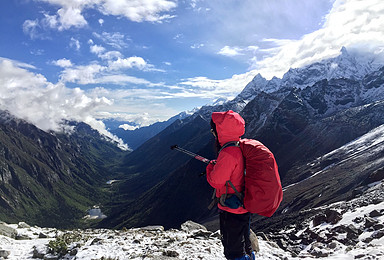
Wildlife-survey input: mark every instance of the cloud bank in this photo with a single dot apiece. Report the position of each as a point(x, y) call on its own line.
point(70, 13)
point(31, 97)
point(357, 25)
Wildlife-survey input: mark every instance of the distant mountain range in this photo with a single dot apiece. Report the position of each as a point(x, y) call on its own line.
point(136, 137)
point(323, 122)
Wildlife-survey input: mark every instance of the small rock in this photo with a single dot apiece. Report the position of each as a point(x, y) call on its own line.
point(374, 213)
point(153, 228)
point(96, 241)
point(254, 241)
point(42, 235)
point(352, 232)
point(7, 231)
point(39, 252)
point(378, 234)
point(170, 253)
point(73, 252)
point(333, 216)
point(51, 257)
point(4, 253)
point(367, 240)
point(22, 237)
point(282, 244)
point(201, 233)
point(358, 220)
point(378, 226)
point(370, 222)
point(23, 225)
point(190, 226)
point(319, 219)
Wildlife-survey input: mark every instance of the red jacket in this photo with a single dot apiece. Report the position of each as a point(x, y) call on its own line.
point(230, 126)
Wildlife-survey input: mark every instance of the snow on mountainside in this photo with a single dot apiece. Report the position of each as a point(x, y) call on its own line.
point(353, 67)
point(343, 66)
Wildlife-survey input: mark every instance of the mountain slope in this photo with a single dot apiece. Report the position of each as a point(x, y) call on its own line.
point(340, 175)
point(299, 120)
point(51, 179)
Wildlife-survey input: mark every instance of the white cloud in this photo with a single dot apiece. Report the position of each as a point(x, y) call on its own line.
point(97, 49)
point(118, 79)
point(65, 18)
point(230, 51)
point(116, 40)
point(82, 74)
point(354, 24)
point(70, 13)
point(110, 55)
point(31, 97)
point(112, 73)
point(64, 63)
point(197, 46)
point(74, 43)
point(139, 11)
point(31, 28)
point(209, 88)
point(129, 63)
point(128, 127)
point(238, 51)
point(144, 106)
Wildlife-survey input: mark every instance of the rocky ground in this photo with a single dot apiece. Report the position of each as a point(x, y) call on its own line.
point(344, 230)
point(354, 229)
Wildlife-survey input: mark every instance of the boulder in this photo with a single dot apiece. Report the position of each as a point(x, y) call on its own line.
point(7, 230)
point(319, 219)
point(153, 228)
point(333, 216)
point(190, 226)
point(4, 254)
point(23, 225)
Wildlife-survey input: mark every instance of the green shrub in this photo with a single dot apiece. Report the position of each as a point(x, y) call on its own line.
point(60, 246)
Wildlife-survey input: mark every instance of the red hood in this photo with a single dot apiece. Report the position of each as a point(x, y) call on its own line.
point(230, 126)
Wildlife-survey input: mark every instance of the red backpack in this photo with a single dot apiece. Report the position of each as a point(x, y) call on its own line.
point(263, 192)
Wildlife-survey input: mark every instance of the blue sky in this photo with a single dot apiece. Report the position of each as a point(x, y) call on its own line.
point(144, 61)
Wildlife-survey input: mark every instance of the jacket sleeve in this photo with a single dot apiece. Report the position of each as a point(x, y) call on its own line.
point(221, 171)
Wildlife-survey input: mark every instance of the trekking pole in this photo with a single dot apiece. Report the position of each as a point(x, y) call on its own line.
point(196, 156)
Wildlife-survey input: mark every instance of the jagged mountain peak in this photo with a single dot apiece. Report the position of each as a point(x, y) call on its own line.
point(346, 65)
point(257, 85)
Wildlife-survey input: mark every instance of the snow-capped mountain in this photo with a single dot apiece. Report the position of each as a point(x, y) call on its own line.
point(343, 66)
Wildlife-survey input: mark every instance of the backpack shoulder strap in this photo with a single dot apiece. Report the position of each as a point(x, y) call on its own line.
point(229, 144)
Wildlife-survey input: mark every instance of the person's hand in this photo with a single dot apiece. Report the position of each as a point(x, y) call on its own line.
point(210, 166)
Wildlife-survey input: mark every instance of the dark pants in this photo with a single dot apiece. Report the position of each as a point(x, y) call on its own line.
point(235, 232)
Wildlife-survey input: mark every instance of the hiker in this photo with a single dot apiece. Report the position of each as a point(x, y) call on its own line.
point(234, 219)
